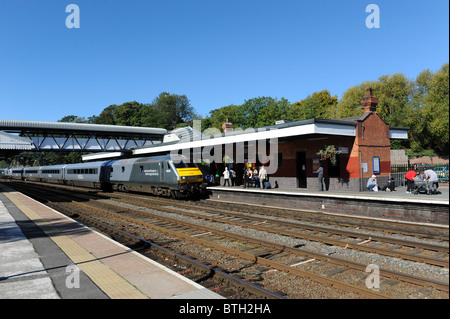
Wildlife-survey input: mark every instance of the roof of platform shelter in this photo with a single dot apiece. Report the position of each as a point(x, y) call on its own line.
point(18, 125)
point(286, 129)
point(13, 142)
point(340, 127)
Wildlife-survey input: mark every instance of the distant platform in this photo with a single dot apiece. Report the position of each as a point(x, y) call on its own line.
point(397, 205)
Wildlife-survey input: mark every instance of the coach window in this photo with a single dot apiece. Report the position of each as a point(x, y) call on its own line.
point(123, 169)
point(142, 169)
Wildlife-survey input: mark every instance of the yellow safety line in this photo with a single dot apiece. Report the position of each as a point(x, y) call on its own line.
point(115, 286)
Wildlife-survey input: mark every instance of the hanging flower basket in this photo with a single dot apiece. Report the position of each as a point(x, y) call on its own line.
point(328, 152)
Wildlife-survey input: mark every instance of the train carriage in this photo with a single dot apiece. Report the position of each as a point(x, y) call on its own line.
point(7, 173)
point(85, 174)
point(32, 174)
point(53, 174)
point(16, 173)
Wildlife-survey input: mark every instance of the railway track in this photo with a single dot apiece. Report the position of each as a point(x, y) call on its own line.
point(265, 259)
point(321, 234)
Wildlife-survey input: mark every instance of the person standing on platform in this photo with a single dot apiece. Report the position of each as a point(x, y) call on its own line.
point(409, 176)
point(226, 176)
point(319, 173)
point(247, 177)
point(432, 181)
point(256, 177)
point(233, 177)
point(263, 176)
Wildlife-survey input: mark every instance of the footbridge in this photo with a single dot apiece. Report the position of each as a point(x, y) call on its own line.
point(17, 136)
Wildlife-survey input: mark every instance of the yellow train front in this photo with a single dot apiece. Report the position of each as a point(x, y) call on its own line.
point(190, 179)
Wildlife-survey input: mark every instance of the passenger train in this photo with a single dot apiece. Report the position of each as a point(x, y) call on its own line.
point(160, 175)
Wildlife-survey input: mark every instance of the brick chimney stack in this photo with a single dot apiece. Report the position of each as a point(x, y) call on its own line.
point(369, 102)
point(227, 127)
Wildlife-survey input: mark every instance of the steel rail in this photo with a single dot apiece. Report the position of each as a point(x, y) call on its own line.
point(249, 287)
point(387, 273)
point(385, 252)
point(349, 264)
point(253, 289)
point(295, 213)
point(252, 258)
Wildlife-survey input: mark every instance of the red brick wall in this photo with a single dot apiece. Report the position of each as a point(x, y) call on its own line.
point(372, 139)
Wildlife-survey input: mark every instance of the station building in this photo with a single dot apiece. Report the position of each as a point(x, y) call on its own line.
point(289, 150)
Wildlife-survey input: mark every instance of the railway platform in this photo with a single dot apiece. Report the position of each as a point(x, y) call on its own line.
point(398, 205)
point(46, 255)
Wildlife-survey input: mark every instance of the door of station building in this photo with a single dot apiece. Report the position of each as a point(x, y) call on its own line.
point(301, 169)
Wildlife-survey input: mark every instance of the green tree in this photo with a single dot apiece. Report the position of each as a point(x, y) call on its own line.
point(350, 104)
point(73, 119)
point(219, 116)
point(106, 116)
point(430, 100)
point(261, 111)
point(128, 114)
point(393, 92)
point(171, 110)
point(318, 105)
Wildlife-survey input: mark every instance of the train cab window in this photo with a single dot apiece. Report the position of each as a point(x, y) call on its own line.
point(182, 164)
point(168, 166)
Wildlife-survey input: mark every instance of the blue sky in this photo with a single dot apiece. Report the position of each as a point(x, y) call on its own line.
point(216, 52)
